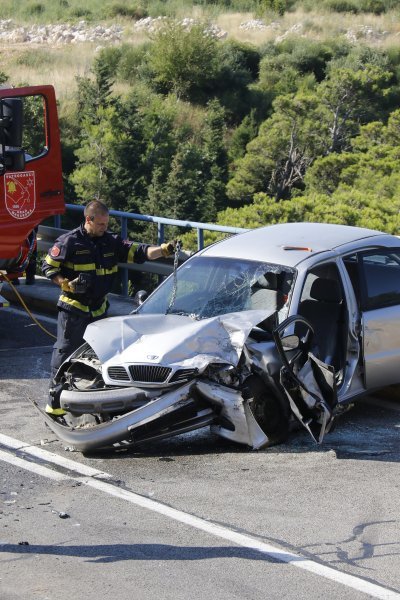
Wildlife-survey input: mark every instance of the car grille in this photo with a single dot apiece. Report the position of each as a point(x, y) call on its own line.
point(183, 375)
point(149, 373)
point(118, 373)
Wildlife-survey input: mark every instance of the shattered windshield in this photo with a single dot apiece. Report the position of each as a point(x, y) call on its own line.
point(210, 286)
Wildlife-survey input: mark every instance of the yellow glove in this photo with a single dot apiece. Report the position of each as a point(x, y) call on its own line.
point(74, 286)
point(65, 286)
point(167, 249)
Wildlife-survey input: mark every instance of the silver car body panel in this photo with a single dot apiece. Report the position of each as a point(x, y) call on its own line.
point(237, 411)
point(290, 244)
point(381, 346)
point(171, 340)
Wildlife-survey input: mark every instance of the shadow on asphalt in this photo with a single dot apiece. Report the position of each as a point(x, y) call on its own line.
point(364, 433)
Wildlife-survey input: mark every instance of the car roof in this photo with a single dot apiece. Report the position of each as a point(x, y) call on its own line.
point(290, 243)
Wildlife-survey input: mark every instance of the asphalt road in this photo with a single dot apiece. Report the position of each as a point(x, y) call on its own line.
point(195, 516)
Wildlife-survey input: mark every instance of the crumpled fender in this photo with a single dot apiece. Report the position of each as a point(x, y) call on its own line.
point(120, 428)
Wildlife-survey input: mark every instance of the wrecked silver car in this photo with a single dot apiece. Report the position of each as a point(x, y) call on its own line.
point(279, 325)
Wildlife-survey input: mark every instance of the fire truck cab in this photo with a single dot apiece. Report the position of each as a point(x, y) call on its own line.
point(31, 187)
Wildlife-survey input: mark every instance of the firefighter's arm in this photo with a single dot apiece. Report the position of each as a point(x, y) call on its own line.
point(162, 251)
point(54, 260)
point(138, 253)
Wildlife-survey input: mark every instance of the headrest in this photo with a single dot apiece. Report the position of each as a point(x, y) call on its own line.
point(268, 281)
point(326, 290)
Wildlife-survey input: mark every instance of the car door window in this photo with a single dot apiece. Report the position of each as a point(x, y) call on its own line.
point(322, 303)
point(381, 277)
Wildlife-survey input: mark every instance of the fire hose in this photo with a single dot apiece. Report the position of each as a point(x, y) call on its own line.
point(4, 276)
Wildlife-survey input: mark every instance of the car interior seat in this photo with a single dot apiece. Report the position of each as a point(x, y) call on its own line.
point(323, 310)
point(266, 293)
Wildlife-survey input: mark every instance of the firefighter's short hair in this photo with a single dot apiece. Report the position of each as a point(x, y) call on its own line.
point(95, 207)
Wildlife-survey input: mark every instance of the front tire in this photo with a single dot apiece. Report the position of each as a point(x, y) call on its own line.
point(266, 409)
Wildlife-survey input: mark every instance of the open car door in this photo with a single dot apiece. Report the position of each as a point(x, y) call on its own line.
point(309, 384)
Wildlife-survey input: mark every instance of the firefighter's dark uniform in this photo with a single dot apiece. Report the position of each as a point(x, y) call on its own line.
point(73, 253)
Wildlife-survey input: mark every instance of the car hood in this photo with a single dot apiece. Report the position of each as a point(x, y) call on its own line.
point(172, 339)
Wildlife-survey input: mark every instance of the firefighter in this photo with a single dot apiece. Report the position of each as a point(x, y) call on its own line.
point(84, 262)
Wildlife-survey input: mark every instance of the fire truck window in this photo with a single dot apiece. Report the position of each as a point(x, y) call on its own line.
point(34, 131)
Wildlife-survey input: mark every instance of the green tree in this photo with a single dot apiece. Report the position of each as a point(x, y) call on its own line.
point(215, 170)
point(277, 159)
point(242, 135)
point(237, 70)
point(92, 177)
point(95, 92)
point(324, 175)
point(181, 195)
point(351, 98)
point(371, 166)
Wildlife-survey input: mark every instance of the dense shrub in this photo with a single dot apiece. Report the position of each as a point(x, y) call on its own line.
point(119, 9)
point(35, 9)
point(183, 60)
point(376, 7)
point(80, 12)
point(342, 6)
point(133, 63)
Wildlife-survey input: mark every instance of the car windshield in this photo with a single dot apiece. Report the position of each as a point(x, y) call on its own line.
point(208, 286)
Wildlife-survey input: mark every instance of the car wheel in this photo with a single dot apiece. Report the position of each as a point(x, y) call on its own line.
point(266, 409)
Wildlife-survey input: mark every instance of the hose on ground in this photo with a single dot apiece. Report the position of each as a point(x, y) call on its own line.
point(3, 275)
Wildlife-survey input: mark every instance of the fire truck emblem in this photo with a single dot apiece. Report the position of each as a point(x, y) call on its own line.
point(20, 194)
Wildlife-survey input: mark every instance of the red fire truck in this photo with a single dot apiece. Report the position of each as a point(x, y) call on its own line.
point(30, 172)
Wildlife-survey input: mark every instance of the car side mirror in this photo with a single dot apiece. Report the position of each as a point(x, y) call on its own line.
point(290, 342)
point(138, 300)
point(140, 297)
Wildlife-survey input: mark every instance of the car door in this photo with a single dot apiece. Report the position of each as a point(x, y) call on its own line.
point(380, 316)
point(309, 384)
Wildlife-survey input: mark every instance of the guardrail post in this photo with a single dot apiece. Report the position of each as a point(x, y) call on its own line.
point(124, 272)
point(160, 233)
point(200, 238)
point(57, 221)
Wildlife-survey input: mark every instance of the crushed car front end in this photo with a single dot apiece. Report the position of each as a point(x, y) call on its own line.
point(197, 353)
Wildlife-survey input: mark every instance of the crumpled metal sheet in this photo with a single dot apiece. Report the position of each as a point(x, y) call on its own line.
point(173, 339)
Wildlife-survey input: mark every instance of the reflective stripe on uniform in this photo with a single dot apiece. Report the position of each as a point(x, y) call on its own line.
point(131, 253)
point(76, 304)
point(52, 263)
point(107, 271)
point(51, 272)
point(91, 267)
point(78, 267)
point(100, 311)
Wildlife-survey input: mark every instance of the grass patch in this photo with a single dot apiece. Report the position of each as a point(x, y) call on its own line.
point(59, 65)
point(35, 58)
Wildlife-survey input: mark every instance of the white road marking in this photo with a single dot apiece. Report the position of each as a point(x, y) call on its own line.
point(96, 481)
point(51, 457)
point(33, 467)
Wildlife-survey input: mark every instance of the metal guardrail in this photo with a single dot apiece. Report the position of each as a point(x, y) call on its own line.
point(161, 267)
